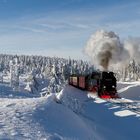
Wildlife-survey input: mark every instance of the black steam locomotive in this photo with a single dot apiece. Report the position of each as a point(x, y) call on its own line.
point(103, 83)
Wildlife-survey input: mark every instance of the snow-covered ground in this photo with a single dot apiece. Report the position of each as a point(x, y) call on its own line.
point(129, 90)
point(39, 118)
point(71, 114)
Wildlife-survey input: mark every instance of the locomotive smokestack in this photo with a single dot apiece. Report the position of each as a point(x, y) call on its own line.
point(105, 48)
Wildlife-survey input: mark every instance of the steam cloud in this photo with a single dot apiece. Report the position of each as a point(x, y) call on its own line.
point(105, 48)
point(133, 47)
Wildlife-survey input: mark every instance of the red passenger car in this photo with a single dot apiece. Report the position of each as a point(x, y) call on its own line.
point(82, 82)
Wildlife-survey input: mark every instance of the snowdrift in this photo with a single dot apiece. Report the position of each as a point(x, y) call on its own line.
point(40, 118)
point(72, 114)
point(107, 120)
point(129, 90)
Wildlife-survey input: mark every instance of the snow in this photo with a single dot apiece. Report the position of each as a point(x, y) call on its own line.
point(129, 90)
point(99, 101)
point(107, 120)
point(39, 118)
point(124, 113)
point(71, 114)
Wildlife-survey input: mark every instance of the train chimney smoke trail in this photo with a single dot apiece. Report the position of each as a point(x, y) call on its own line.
point(104, 59)
point(105, 48)
point(133, 46)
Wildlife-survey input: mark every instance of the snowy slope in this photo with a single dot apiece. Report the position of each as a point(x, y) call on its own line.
point(108, 121)
point(40, 118)
point(69, 115)
point(129, 90)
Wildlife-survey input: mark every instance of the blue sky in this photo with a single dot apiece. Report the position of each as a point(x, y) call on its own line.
point(62, 27)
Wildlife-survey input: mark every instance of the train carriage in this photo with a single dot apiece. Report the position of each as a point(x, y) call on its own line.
point(82, 82)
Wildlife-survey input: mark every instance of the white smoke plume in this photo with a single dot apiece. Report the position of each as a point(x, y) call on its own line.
point(105, 48)
point(133, 46)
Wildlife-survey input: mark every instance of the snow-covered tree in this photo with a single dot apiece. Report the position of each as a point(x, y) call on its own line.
point(14, 74)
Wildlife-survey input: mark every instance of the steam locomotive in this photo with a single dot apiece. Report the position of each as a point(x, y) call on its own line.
point(103, 83)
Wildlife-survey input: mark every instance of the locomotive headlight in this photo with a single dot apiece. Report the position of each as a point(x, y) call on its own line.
point(104, 86)
point(113, 86)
